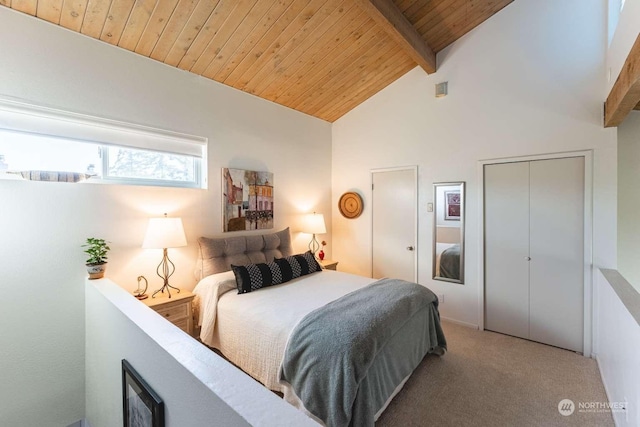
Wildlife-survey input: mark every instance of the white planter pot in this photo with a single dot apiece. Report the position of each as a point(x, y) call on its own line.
point(96, 271)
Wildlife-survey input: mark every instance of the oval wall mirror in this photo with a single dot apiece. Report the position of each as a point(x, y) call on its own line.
point(448, 231)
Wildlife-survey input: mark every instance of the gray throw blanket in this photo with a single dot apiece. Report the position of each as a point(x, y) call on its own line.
point(344, 360)
point(450, 263)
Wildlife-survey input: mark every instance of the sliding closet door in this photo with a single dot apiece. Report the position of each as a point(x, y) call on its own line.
point(534, 250)
point(506, 204)
point(557, 242)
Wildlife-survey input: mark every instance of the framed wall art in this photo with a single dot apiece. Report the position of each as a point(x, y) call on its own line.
point(142, 407)
point(247, 200)
point(452, 205)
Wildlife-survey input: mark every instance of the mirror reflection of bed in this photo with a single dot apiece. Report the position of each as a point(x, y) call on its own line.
point(448, 231)
point(310, 336)
point(448, 260)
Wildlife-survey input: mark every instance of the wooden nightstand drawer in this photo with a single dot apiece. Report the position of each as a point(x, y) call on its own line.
point(174, 313)
point(183, 324)
point(177, 309)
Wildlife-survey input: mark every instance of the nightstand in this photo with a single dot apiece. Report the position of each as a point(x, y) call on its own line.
point(177, 309)
point(327, 264)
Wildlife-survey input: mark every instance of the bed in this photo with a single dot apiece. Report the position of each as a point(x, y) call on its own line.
point(448, 260)
point(260, 331)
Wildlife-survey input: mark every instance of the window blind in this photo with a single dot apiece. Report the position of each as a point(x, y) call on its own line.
point(28, 118)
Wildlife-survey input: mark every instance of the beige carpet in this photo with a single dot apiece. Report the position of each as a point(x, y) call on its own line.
point(490, 379)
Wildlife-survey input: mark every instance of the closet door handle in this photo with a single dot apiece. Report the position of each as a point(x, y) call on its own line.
point(527, 258)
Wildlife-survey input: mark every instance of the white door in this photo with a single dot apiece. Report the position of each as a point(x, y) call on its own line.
point(506, 213)
point(534, 249)
point(557, 252)
point(394, 212)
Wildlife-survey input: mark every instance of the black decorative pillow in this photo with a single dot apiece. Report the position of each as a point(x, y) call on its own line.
point(302, 264)
point(252, 277)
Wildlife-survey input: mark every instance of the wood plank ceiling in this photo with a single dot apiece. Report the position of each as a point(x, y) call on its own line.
point(320, 57)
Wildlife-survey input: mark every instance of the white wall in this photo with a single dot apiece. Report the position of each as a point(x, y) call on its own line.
point(530, 80)
point(629, 199)
point(618, 344)
point(43, 224)
point(197, 386)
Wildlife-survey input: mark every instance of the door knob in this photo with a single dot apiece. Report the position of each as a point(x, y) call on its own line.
point(527, 258)
point(410, 248)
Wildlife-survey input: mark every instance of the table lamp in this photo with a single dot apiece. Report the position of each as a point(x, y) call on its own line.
point(314, 224)
point(164, 233)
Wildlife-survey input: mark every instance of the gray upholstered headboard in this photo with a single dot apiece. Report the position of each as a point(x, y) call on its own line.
point(217, 255)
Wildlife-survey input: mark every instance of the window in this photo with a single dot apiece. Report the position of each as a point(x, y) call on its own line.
point(615, 9)
point(22, 152)
point(127, 164)
point(39, 139)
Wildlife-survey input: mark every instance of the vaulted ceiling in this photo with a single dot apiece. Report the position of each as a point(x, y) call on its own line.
point(320, 57)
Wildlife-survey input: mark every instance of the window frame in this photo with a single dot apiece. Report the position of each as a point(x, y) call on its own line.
point(197, 173)
point(19, 116)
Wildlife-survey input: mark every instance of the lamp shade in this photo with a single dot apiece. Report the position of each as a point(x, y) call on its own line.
point(314, 224)
point(164, 233)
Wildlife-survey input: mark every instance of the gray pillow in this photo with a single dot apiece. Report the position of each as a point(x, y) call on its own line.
point(217, 255)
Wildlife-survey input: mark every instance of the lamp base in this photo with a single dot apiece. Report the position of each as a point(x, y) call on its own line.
point(167, 268)
point(166, 286)
point(314, 245)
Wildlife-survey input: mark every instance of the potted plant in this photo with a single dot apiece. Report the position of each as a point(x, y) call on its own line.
point(97, 263)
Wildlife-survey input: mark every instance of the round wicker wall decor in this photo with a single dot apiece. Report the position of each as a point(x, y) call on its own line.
point(350, 205)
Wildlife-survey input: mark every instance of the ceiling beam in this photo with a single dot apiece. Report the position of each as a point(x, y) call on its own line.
point(625, 93)
point(387, 15)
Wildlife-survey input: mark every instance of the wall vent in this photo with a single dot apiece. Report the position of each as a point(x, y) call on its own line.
point(442, 89)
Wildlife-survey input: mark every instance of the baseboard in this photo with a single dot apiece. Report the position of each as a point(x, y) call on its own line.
point(604, 383)
point(606, 389)
point(461, 323)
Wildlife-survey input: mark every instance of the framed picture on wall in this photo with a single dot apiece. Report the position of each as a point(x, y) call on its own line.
point(247, 200)
point(452, 205)
point(142, 407)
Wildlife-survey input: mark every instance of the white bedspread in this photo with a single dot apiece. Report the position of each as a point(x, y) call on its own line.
point(252, 329)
